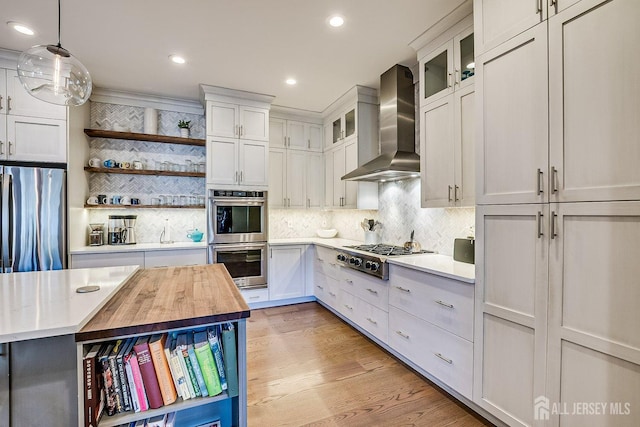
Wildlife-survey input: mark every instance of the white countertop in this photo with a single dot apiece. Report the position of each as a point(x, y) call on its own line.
point(138, 247)
point(45, 303)
point(442, 265)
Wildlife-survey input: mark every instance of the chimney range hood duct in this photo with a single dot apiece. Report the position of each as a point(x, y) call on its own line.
point(397, 159)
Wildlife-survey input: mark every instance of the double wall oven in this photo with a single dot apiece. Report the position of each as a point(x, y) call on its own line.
point(237, 233)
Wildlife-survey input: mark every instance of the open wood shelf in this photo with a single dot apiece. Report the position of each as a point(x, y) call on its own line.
point(133, 136)
point(143, 206)
point(144, 172)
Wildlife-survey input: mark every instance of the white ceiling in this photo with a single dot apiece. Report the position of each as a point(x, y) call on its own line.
point(252, 45)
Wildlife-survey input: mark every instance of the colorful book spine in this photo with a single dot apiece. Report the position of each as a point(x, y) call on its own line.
point(113, 366)
point(213, 336)
point(92, 398)
point(107, 380)
point(207, 363)
point(180, 377)
point(196, 366)
point(177, 353)
point(231, 358)
point(181, 346)
point(148, 372)
point(135, 397)
point(174, 374)
point(161, 366)
point(124, 383)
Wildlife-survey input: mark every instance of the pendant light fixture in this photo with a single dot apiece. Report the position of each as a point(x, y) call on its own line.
point(50, 73)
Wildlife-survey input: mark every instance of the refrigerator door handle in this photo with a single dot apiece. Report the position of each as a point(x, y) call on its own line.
point(7, 219)
point(6, 223)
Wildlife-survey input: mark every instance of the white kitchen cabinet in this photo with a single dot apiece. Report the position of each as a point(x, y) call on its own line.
point(314, 177)
point(511, 309)
point(512, 129)
point(295, 135)
point(111, 259)
point(593, 111)
point(287, 273)
point(145, 259)
point(252, 296)
point(447, 130)
point(347, 194)
point(431, 323)
point(343, 125)
point(235, 162)
point(498, 21)
point(294, 179)
point(174, 258)
point(30, 129)
point(237, 121)
point(14, 100)
point(593, 315)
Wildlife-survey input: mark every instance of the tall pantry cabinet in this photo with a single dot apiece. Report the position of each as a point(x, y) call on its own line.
point(556, 317)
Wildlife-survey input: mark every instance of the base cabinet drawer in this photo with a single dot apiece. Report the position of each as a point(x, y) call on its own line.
point(444, 355)
point(175, 258)
point(326, 290)
point(444, 302)
point(107, 259)
point(370, 289)
point(255, 295)
point(372, 319)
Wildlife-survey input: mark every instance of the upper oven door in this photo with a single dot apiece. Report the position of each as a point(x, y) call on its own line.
point(237, 219)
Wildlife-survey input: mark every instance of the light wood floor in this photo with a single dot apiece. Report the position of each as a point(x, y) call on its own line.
point(307, 367)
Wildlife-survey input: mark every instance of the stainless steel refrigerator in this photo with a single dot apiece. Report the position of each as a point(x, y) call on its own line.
point(33, 218)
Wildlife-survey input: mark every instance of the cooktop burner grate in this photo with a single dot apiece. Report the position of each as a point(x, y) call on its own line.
point(386, 250)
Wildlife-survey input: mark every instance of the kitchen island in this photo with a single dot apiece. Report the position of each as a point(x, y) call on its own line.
point(46, 325)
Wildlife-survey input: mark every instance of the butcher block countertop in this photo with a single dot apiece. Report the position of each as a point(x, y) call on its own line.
point(159, 299)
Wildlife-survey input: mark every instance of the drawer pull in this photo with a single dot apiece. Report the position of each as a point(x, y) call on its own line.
point(332, 294)
point(403, 289)
point(319, 287)
point(349, 281)
point(254, 297)
point(440, 356)
point(373, 291)
point(444, 304)
point(402, 334)
point(372, 321)
point(348, 306)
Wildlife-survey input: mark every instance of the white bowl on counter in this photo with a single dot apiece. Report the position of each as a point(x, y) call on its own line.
point(326, 233)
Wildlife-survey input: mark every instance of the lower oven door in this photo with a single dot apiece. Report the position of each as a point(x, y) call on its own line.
point(246, 262)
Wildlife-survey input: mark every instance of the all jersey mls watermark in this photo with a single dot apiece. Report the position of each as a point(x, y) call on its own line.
point(543, 408)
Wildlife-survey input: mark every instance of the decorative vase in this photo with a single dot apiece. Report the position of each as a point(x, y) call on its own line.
point(184, 132)
point(151, 121)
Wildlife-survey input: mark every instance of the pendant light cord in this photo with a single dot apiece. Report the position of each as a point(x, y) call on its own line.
point(59, 45)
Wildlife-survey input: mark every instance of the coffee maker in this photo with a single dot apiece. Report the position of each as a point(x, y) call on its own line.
point(129, 222)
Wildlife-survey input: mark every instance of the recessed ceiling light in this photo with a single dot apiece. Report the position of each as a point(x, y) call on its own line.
point(291, 82)
point(177, 59)
point(21, 28)
point(336, 21)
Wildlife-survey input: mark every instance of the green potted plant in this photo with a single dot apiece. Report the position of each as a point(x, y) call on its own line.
point(184, 126)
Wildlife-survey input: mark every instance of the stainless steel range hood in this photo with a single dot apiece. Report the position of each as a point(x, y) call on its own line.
point(397, 159)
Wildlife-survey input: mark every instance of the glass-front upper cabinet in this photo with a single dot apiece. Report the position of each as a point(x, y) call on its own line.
point(448, 68)
point(344, 126)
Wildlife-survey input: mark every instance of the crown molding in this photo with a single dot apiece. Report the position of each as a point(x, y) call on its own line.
point(112, 96)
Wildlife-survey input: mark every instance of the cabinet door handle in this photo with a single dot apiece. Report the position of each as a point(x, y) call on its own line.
point(241, 178)
point(554, 179)
point(237, 130)
point(402, 334)
point(539, 217)
point(449, 80)
point(539, 7)
point(553, 231)
point(236, 178)
point(0, 102)
point(1, 147)
point(284, 202)
point(456, 78)
point(8, 103)
point(372, 321)
point(440, 356)
point(373, 291)
point(308, 203)
point(539, 174)
point(241, 130)
point(308, 143)
point(554, 3)
point(10, 148)
point(449, 193)
point(455, 193)
point(444, 304)
point(400, 288)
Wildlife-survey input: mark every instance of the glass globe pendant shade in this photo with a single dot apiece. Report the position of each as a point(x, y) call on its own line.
point(50, 73)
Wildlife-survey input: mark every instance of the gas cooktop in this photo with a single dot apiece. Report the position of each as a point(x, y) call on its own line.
point(386, 250)
point(374, 261)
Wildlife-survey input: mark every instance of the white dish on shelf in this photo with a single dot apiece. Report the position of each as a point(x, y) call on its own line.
point(326, 233)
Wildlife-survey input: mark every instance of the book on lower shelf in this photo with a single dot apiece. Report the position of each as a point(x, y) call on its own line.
point(230, 354)
point(161, 366)
point(93, 402)
point(148, 372)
